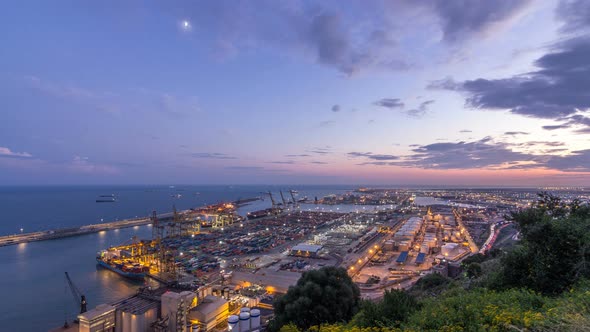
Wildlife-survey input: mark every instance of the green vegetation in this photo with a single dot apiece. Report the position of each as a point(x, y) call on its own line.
point(327, 295)
point(542, 284)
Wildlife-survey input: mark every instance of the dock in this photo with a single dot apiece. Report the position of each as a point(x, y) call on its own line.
point(8, 240)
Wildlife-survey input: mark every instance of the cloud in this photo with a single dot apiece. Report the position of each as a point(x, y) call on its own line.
point(556, 127)
point(484, 153)
point(421, 110)
point(514, 133)
point(487, 153)
point(245, 168)
point(557, 89)
point(336, 108)
point(370, 155)
point(461, 20)
point(285, 162)
point(297, 155)
point(7, 153)
point(466, 131)
point(575, 14)
point(321, 150)
point(322, 32)
point(390, 103)
point(327, 123)
point(576, 161)
point(318, 162)
point(213, 155)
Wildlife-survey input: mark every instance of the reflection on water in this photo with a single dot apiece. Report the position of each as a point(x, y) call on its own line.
point(32, 277)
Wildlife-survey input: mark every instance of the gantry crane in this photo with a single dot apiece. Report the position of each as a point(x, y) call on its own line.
point(79, 298)
point(283, 198)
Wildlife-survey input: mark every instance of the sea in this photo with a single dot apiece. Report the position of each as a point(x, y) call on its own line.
point(34, 292)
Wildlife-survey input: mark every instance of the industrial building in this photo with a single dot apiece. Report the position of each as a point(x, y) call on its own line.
point(306, 250)
point(210, 312)
point(101, 318)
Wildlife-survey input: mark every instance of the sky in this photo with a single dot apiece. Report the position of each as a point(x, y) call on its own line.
point(400, 92)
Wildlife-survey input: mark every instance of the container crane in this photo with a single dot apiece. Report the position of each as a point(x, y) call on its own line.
point(283, 198)
point(79, 298)
point(293, 192)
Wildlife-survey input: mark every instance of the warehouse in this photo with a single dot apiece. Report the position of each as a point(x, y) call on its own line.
point(305, 250)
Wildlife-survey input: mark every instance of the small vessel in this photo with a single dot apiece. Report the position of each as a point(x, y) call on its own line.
point(176, 195)
point(105, 200)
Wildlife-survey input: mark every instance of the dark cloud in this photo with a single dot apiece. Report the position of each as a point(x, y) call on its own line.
point(557, 89)
point(576, 161)
point(209, 155)
point(321, 150)
point(390, 103)
point(514, 133)
point(421, 110)
point(546, 143)
point(318, 30)
point(464, 155)
point(370, 155)
point(575, 14)
point(461, 20)
point(336, 108)
point(556, 127)
point(318, 162)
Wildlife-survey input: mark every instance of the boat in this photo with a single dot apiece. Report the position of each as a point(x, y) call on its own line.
point(103, 199)
point(302, 200)
point(125, 269)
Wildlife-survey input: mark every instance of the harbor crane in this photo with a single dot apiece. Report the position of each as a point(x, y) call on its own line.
point(283, 198)
point(79, 298)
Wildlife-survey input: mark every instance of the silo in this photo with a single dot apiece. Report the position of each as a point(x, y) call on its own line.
point(233, 323)
point(255, 319)
point(245, 309)
point(244, 321)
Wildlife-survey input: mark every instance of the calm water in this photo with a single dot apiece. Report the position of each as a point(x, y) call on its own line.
point(34, 294)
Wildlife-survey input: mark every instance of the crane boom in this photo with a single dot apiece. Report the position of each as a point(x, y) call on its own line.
point(274, 204)
point(283, 198)
point(77, 295)
point(292, 196)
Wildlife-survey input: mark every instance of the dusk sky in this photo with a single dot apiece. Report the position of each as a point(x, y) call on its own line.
point(295, 92)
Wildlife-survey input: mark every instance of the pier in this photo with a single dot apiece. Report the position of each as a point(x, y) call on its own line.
point(13, 239)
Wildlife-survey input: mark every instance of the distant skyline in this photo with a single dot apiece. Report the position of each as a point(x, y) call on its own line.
point(402, 92)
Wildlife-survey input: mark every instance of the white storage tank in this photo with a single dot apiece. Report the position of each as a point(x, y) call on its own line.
point(245, 309)
point(255, 319)
point(244, 321)
point(233, 323)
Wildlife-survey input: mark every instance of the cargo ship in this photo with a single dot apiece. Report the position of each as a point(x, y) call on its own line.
point(106, 199)
point(258, 214)
point(109, 260)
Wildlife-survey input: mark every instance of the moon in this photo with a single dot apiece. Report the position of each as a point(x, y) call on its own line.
point(185, 25)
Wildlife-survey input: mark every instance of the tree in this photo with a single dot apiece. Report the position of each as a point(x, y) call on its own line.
point(327, 295)
point(394, 309)
point(473, 270)
point(555, 247)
